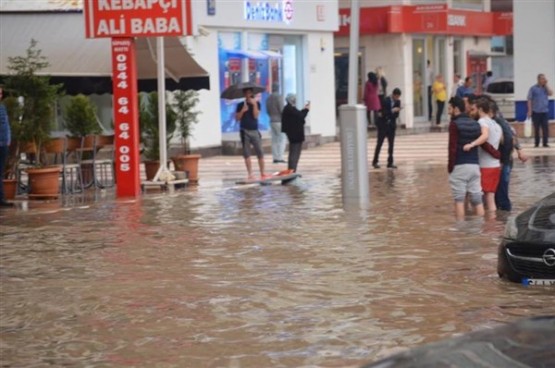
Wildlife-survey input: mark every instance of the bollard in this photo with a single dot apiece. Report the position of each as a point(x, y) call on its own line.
point(354, 156)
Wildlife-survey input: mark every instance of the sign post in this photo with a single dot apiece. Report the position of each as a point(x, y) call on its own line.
point(126, 127)
point(123, 21)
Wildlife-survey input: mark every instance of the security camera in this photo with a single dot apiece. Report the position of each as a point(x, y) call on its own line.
point(203, 31)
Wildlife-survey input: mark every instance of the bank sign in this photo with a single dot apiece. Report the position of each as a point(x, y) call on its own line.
point(137, 18)
point(269, 11)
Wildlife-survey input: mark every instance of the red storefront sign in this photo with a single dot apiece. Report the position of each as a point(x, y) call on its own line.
point(428, 19)
point(122, 20)
point(137, 18)
point(126, 127)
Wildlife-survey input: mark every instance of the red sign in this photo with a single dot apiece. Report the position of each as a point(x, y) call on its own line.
point(428, 19)
point(126, 124)
point(137, 18)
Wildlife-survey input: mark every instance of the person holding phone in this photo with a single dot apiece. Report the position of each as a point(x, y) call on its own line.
point(387, 126)
point(292, 124)
point(247, 114)
point(538, 108)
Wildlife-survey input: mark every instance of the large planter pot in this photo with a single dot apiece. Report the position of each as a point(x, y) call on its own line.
point(44, 182)
point(189, 164)
point(10, 188)
point(151, 168)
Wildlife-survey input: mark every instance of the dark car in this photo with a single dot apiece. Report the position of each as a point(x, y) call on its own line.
point(524, 343)
point(527, 252)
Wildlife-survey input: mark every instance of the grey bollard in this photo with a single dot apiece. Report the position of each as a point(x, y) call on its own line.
point(354, 159)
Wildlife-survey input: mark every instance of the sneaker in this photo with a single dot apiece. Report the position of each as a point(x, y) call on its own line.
point(375, 166)
point(546, 145)
point(6, 204)
point(391, 166)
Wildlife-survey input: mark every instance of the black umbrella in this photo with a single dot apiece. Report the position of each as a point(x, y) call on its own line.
point(236, 91)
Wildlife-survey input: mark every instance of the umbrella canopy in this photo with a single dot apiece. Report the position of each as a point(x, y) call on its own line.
point(236, 90)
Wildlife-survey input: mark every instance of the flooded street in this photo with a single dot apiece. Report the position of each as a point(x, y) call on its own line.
point(258, 276)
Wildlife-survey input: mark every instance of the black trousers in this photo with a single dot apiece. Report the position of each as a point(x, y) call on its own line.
point(385, 129)
point(294, 155)
point(541, 122)
point(430, 103)
point(3, 158)
point(440, 107)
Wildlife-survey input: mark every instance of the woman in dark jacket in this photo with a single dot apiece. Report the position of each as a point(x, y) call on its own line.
point(292, 124)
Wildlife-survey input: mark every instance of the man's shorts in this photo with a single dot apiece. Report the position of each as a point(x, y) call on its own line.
point(253, 137)
point(490, 178)
point(465, 179)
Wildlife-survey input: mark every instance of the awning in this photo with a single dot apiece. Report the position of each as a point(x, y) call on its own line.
point(85, 65)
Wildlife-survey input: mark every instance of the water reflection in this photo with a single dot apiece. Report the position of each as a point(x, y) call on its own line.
point(257, 276)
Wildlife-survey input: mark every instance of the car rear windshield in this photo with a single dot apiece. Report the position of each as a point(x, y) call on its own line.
point(501, 87)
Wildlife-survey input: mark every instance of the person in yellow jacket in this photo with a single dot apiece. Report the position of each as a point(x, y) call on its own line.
point(440, 94)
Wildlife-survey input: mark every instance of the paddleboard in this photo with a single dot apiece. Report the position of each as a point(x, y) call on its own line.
point(269, 180)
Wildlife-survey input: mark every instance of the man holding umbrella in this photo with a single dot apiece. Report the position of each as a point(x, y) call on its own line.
point(247, 114)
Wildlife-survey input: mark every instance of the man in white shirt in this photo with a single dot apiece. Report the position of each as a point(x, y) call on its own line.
point(490, 167)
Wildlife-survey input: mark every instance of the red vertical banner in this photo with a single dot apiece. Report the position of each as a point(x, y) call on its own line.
point(126, 113)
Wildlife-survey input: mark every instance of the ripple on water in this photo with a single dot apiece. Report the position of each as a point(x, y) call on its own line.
point(262, 276)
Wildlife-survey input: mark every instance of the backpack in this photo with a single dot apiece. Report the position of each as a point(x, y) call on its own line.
point(506, 146)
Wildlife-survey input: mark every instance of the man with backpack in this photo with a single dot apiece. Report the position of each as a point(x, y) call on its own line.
point(509, 142)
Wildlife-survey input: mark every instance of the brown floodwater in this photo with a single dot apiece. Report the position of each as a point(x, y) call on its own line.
point(257, 276)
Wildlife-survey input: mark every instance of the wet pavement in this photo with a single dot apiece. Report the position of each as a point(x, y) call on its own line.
point(222, 275)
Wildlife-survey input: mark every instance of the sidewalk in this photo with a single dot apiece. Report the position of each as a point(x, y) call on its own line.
point(427, 149)
point(410, 149)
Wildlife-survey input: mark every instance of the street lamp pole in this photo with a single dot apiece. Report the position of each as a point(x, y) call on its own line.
point(353, 127)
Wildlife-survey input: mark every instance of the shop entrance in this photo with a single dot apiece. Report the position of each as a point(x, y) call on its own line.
point(419, 77)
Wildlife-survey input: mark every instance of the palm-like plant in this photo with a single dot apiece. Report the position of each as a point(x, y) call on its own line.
point(184, 105)
point(149, 125)
point(37, 97)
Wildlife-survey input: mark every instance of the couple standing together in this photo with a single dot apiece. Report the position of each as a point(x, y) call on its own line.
point(384, 111)
point(285, 120)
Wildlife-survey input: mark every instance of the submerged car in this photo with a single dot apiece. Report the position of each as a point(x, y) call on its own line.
point(527, 252)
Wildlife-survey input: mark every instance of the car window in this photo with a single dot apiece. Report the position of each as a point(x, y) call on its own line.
point(501, 87)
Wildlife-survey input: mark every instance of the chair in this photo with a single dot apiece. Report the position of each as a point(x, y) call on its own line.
point(72, 176)
point(96, 157)
point(27, 153)
point(104, 161)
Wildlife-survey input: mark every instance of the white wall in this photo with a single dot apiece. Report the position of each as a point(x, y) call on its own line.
point(207, 133)
point(320, 84)
point(534, 44)
point(393, 53)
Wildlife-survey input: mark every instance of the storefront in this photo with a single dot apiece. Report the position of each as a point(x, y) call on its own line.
point(283, 44)
point(402, 39)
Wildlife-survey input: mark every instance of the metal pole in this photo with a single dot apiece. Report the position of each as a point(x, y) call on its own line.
point(353, 53)
point(160, 70)
point(354, 160)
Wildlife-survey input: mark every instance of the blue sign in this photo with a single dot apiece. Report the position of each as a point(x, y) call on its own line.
point(211, 7)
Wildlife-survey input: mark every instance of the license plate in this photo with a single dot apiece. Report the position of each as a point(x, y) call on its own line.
point(538, 282)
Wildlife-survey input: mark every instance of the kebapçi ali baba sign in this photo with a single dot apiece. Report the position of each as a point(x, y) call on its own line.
point(122, 21)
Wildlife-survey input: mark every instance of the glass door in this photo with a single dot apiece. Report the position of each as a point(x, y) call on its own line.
point(418, 76)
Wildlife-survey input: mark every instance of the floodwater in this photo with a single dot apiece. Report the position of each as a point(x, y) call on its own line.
point(257, 276)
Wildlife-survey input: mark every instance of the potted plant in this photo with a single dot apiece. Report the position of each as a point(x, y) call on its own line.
point(184, 105)
point(80, 119)
point(33, 116)
point(150, 130)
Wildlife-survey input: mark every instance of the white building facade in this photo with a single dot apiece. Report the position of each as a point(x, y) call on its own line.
point(534, 50)
point(287, 44)
point(401, 36)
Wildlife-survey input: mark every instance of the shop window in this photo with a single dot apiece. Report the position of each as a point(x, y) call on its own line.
point(468, 4)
